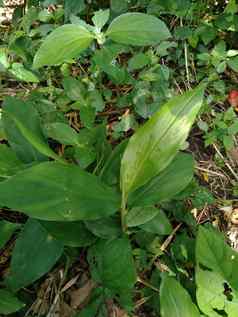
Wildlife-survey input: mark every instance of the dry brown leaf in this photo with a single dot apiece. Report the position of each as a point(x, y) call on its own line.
point(234, 155)
point(80, 296)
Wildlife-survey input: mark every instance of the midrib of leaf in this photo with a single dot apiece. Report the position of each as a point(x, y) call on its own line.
point(148, 153)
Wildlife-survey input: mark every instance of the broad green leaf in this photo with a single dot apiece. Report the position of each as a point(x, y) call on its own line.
point(115, 264)
point(23, 74)
point(64, 43)
point(214, 254)
point(138, 61)
point(159, 224)
point(137, 29)
point(25, 113)
point(105, 228)
point(211, 294)
point(172, 180)
point(9, 163)
point(59, 192)
point(18, 110)
point(73, 234)
point(6, 231)
point(9, 304)
point(175, 301)
point(152, 148)
point(34, 254)
point(140, 215)
point(62, 132)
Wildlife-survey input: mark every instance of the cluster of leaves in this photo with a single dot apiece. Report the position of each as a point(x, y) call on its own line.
point(68, 160)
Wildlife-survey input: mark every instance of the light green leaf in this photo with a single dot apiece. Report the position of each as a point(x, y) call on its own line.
point(9, 163)
point(59, 192)
point(74, 89)
point(233, 63)
point(64, 43)
point(159, 224)
point(62, 132)
point(100, 18)
point(73, 234)
point(172, 180)
point(25, 113)
point(213, 253)
point(9, 304)
point(140, 215)
point(34, 254)
point(152, 148)
point(211, 295)
point(137, 29)
point(6, 231)
point(17, 110)
point(175, 301)
point(138, 61)
point(23, 74)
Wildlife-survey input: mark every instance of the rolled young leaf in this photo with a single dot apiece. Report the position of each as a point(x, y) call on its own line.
point(151, 149)
point(58, 192)
point(137, 29)
point(64, 43)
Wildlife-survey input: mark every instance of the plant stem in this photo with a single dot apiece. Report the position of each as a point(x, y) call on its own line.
point(123, 213)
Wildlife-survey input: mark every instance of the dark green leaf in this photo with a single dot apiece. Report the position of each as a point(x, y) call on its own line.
point(105, 228)
point(9, 304)
point(6, 231)
point(172, 180)
point(59, 192)
point(140, 215)
point(73, 234)
point(159, 224)
point(73, 7)
point(18, 111)
point(64, 43)
point(26, 114)
point(9, 163)
point(137, 29)
point(34, 254)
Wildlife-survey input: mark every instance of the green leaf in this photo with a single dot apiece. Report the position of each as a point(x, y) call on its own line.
point(172, 180)
point(115, 264)
point(159, 224)
point(64, 43)
point(140, 215)
point(73, 7)
point(100, 18)
point(151, 149)
point(74, 89)
point(105, 228)
point(9, 163)
point(138, 61)
point(9, 304)
point(73, 234)
point(110, 173)
point(6, 231)
point(137, 29)
point(57, 192)
point(233, 63)
point(34, 254)
point(212, 295)
point(23, 74)
point(62, 132)
point(18, 111)
point(214, 254)
point(175, 301)
point(26, 114)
